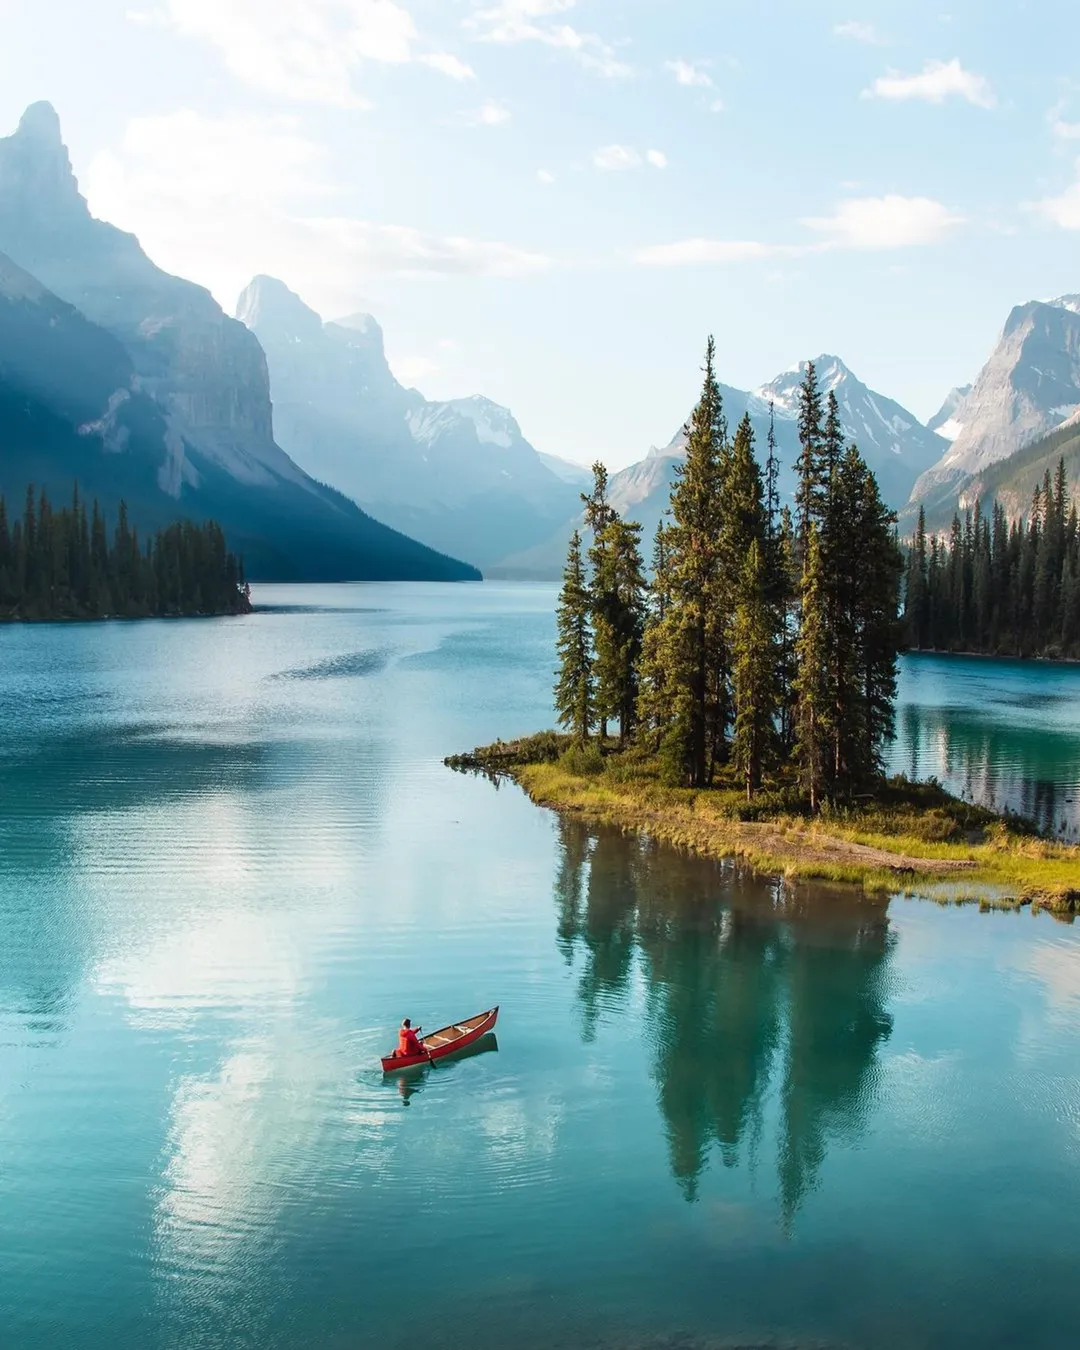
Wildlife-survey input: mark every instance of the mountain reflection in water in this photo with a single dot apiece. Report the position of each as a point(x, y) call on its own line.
point(755, 990)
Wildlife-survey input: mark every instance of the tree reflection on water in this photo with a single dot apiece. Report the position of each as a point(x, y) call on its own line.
point(762, 998)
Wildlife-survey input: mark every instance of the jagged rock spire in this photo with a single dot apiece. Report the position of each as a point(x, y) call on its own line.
point(35, 169)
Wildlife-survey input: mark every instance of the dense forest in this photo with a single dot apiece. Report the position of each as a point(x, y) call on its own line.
point(999, 588)
point(64, 564)
point(765, 644)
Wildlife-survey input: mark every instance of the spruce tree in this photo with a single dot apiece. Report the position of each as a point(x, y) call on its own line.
point(574, 687)
point(755, 669)
point(809, 490)
point(813, 707)
point(687, 652)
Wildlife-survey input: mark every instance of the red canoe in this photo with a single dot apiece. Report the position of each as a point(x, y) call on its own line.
point(446, 1041)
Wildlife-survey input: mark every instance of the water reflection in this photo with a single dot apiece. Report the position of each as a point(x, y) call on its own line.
point(411, 1081)
point(765, 1003)
point(988, 731)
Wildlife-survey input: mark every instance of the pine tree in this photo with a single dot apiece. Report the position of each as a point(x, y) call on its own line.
point(813, 731)
point(616, 607)
point(755, 670)
point(574, 688)
point(809, 492)
point(687, 654)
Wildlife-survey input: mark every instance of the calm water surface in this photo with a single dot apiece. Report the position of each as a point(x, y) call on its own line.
point(230, 861)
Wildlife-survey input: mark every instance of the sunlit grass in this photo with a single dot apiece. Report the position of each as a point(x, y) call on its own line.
point(902, 829)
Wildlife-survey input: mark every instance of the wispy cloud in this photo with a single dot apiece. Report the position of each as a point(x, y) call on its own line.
point(448, 64)
point(689, 74)
point(690, 252)
point(510, 21)
point(306, 50)
point(885, 222)
point(545, 176)
point(862, 223)
point(615, 157)
point(1063, 211)
point(858, 31)
point(219, 199)
point(491, 114)
point(937, 81)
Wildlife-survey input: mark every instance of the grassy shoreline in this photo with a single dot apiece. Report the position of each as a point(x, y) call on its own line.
point(902, 831)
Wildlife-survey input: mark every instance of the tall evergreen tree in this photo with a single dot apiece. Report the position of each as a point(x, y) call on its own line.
point(755, 669)
point(575, 685)
point(687, 653)
point(813, 706)
point(809, 491)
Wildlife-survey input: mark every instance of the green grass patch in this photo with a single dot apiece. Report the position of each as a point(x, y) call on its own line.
point(901, 828)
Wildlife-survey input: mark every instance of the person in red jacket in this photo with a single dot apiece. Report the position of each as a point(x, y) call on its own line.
point(408, 1043)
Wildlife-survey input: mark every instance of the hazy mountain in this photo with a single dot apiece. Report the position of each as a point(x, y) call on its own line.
point(579, 475)
point(1028, 387)
point(944, 421)
point(150, 391)
point(893, 441)
point(457, 474)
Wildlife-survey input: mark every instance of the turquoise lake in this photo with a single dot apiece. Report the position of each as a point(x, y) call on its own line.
point(719, 1111)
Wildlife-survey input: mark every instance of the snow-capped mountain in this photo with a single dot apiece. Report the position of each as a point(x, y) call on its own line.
point(457, 474)
point(1028, 387)
point(893, 441)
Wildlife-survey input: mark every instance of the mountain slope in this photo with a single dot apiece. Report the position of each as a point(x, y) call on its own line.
point(1012, 481)
point(457, 474)
point(893, 441)
point(1029, 386)
point(172, 390)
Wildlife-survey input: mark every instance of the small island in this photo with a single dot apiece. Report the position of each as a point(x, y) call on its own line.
point(750, 681)
point(63, 564)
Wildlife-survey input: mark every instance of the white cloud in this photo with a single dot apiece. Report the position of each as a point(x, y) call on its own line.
point(860, 32)
point(688, 74)
point(545, 176)
point(448, 64)
point(717, 105)
point(492, 114)
point(221, 199)
point(688, 252)
point(511, 21)
point(864, 223)
point(885, 222)
point(1065, 131)
point(307, 50)
point(1063, 211)
point(937, 81)
point(612, 158)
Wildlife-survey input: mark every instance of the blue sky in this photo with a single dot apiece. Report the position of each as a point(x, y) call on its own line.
point(553, 201)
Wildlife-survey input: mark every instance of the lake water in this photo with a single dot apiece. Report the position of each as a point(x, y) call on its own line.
point(719, 1111)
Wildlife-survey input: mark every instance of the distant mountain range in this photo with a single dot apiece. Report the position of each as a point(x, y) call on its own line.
point(137, 384)
point(459, 474)
point(893, 441)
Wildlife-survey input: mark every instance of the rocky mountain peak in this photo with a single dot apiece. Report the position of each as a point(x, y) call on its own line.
point(267, 305)
point(35, 169)
point(1071, 302)
point(1028, 387)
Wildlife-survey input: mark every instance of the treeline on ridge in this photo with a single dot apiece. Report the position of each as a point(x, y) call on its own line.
point(765, 644)
point(65, 564)
point(997, 588)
